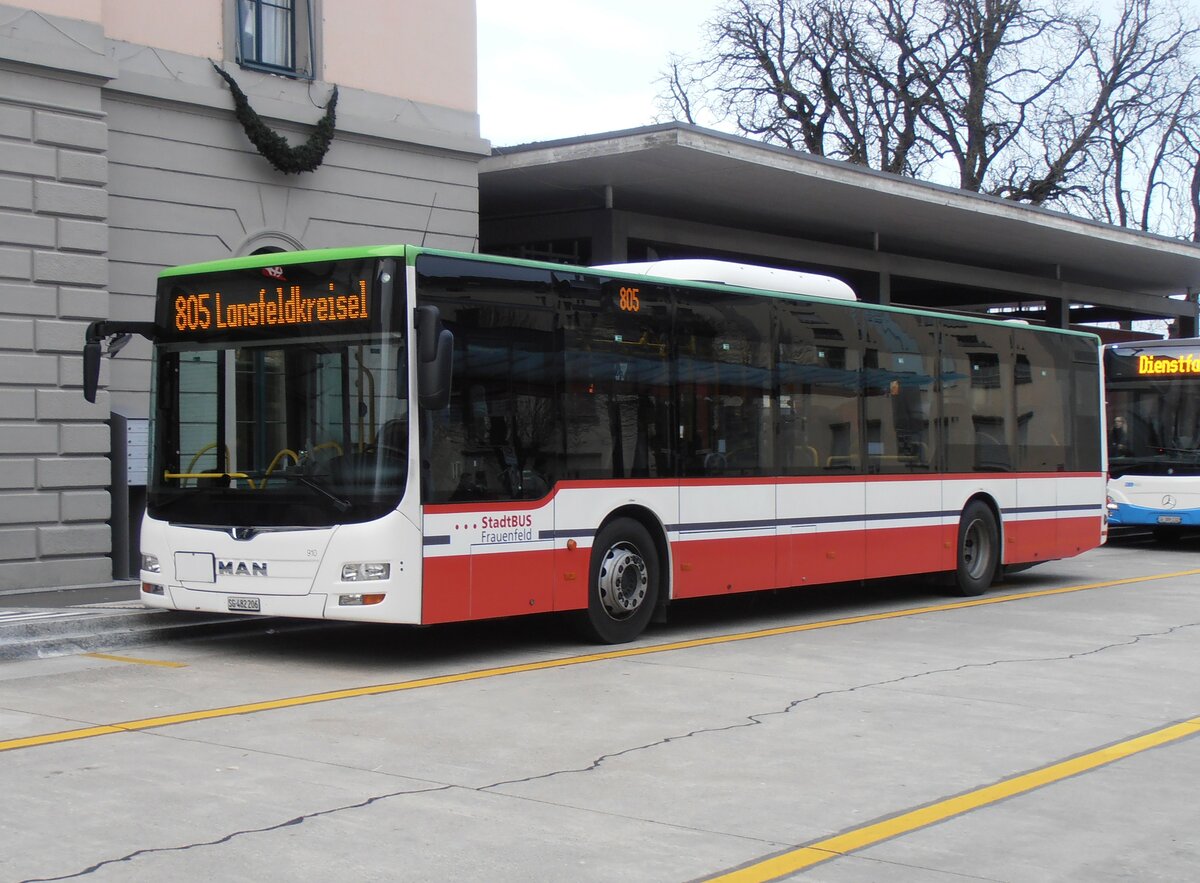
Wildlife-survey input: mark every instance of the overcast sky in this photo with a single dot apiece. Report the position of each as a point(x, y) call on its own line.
point(559, 68)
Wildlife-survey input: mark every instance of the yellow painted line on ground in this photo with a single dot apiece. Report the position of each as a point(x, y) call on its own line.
point(150, 723)
point(869, 835)
point(135, 660)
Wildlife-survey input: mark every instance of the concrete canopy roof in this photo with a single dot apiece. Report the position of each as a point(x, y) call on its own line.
point(682, 171)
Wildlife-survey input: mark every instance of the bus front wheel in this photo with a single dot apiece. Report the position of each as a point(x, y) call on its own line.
point(978, 549)
point(623, 583)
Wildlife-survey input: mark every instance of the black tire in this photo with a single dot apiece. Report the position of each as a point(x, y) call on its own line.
point(623, 583)
point(978, 549)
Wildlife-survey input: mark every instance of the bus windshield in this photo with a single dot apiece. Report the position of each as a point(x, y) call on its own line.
point(277, 424)
point(1153, 411)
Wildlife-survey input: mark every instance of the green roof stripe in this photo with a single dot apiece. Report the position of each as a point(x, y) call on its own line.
point(410, 253)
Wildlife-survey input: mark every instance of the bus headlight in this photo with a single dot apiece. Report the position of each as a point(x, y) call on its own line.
point(150, 564)
point(365, 572)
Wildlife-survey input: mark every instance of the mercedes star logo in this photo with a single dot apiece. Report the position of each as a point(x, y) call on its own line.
point(1168, 501)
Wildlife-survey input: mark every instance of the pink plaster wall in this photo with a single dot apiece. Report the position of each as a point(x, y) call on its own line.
point(424, 50)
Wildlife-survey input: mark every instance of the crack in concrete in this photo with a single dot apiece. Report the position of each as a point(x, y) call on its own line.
point(296, 820)
point(752, 720)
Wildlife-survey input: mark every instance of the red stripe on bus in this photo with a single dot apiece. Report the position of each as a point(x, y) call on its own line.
point(446, 589)
point(1047, 539)
point(464, 587)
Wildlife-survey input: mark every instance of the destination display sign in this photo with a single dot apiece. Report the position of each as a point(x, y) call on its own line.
point(268, 301)
point(206, 310)
point(1185, 363)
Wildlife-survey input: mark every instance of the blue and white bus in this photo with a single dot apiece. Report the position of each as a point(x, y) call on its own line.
point(1152, 390)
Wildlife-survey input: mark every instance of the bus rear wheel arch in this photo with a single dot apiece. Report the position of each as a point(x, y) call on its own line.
point(977, 555)
point(624, 582)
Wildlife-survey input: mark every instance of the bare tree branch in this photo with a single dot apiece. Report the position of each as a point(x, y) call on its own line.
point(1036, 101)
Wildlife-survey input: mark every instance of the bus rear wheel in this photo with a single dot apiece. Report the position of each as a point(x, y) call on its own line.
point(978, 549)
point(623, 583)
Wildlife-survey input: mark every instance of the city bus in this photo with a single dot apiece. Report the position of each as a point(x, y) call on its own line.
point(1152, 390)
point(410, 435)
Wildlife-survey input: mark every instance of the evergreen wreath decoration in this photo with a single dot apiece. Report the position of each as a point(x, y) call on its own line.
point(305, 157)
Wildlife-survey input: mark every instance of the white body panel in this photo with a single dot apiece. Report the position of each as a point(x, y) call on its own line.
point(1148, 490)
point(300, 573)
point(1155, 501)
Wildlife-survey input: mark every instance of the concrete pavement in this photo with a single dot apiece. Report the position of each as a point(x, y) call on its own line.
point(745, 731)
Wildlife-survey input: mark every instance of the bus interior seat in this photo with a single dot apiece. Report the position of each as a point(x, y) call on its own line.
point(393, 435)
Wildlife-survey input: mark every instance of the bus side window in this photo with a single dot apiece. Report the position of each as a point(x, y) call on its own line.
point(977, 397)
point(1086, 408)
point(725, 384)
point(898, 388)
point(818, 380)
point(617, 400)
point(1043, 402)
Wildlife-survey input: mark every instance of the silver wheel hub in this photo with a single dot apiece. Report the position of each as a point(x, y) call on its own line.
point(976, 549)
point(623, 581)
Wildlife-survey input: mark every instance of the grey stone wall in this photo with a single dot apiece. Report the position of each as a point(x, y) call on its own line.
point(54, 467)
point(117, 160)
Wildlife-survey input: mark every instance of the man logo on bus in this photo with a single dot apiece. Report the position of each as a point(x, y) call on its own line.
point(241, 568)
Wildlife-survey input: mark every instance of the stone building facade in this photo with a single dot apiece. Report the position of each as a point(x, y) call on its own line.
point(120, 155)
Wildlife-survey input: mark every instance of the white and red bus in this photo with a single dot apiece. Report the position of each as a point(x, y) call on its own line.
point(401, 434)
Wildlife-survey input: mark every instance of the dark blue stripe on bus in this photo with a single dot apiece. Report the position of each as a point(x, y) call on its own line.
point(709, 526)
point(758, 524)
point(794, 522)
point(564, 534)
point(1027, 510)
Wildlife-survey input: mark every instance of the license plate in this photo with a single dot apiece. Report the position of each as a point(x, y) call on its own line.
point(1170, 519)
point(251, 605)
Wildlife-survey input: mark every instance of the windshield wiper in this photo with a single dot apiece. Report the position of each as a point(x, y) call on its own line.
point(342, 505)
point(1189, 451)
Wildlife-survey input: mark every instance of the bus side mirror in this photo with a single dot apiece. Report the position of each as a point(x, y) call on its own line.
point(91, 369)
point(97, 331)
point(435, 355)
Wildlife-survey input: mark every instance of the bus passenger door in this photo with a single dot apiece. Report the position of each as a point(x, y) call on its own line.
point(820, 496)
point(727, 414)
point(903, 489)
